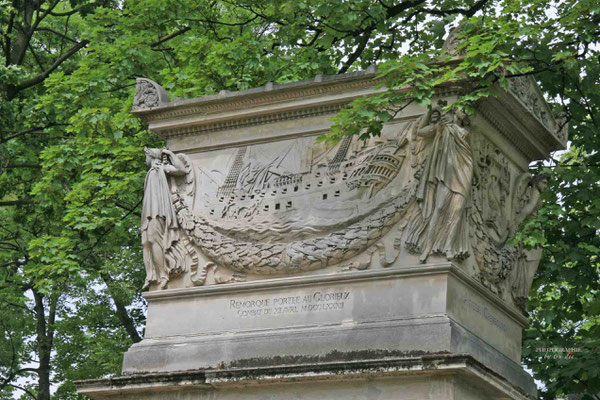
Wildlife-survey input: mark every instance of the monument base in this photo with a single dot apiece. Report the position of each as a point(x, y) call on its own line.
point(439, 377)
point(412, 332)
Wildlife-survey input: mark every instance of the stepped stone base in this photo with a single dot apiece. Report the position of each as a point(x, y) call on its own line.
point(439, 377)
point(420, 332)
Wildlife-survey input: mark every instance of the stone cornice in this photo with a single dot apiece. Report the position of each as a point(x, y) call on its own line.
point(508, 131)
point(520, 113)
point(528, 134)
point(266, 113)
point(243, 121)
point(268, 94)
point(267, 104)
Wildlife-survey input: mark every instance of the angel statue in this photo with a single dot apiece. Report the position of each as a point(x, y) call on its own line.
point(164, 252)
point(444, 184)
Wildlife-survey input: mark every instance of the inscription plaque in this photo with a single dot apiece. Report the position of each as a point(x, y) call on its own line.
point(315, 301)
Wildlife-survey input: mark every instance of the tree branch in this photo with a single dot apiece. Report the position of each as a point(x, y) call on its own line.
point(27, 370)
point(209, 21)
point(7, 38)
point(62, 14)
point(16, 203)
point(23, 389)
point(13, 90)
point(37, 60)
point(44, 29)
point(30, 7)
point(359, 49)
point(170, 36)
point(466, 12)
point(365, 33)
point(20, 165)
point(44, 346)
point(22, 133)
point(122, 313)
point(8, 264)
point(91, 249)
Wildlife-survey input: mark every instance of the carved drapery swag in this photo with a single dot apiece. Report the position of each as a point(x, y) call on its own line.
point(428, 189)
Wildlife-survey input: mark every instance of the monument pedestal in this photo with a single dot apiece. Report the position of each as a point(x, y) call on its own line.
point(422, 332)
point(281, 267)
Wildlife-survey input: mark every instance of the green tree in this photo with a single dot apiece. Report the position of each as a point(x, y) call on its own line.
point(72, 171)
point(44, 273)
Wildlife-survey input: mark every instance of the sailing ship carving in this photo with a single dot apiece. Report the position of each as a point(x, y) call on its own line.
point(257, 187)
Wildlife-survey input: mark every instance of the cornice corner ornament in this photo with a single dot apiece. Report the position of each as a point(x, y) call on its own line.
point(148, 95)
point(527, 92)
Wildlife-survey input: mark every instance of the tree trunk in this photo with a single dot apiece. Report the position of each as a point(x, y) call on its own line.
point(122, 313)
point(44, 348)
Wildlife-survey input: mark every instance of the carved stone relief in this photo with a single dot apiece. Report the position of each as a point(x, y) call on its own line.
point(291, 206)
point(502, 198)
point(148, 94)
point(423, 189)
point(525, 89)
point(166, 251)
point(444, 181)
point(490, 211)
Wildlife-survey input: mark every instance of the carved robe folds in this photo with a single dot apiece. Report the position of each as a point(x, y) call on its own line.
point(161, 235)
point(444, 187)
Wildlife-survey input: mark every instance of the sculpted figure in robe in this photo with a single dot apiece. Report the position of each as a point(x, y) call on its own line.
point(438, 226)
point(163, 252)
point(528, 200)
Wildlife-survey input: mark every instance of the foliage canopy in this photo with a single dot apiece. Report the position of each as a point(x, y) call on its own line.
point(71, 166)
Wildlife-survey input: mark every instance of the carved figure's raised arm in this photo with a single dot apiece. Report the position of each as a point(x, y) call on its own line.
point(429, 124)
point(425, 120)
point(177, 167)
point(151, 155)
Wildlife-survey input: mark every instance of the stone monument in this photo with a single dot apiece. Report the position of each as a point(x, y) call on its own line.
point(280, 267)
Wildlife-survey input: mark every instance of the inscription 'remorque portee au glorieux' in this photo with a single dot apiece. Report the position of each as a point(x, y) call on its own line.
point(306, 303)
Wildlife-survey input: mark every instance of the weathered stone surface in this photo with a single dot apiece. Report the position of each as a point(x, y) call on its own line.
point(377, 269)
point(395, 312)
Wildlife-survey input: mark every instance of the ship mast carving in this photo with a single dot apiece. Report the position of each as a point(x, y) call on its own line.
point(234, 173)
point(340, 156)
